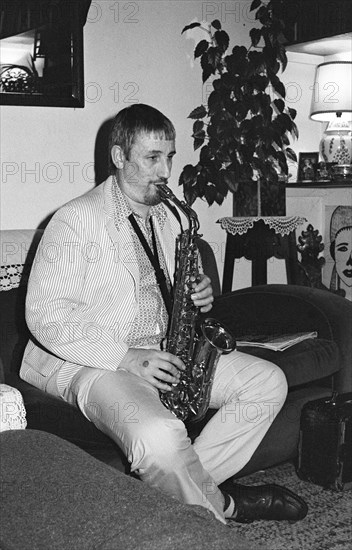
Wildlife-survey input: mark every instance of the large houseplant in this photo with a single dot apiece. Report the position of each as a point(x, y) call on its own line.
point(243, 130)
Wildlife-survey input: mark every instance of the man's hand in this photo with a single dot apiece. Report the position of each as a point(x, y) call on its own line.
point(203, 294)
point(159, 368)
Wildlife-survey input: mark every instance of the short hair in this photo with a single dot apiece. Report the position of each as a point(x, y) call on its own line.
point(134, 120)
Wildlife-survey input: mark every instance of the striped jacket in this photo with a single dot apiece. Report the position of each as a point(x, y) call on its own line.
point(83, 288)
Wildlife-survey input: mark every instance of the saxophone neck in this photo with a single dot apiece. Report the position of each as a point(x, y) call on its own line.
point(166, 194)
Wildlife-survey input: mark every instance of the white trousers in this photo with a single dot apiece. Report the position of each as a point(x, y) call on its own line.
point(248, 393)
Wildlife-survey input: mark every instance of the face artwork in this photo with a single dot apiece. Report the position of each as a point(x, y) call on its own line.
point(343, 256)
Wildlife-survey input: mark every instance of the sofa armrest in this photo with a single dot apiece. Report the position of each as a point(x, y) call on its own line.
point(209, 264)
point(279, 309)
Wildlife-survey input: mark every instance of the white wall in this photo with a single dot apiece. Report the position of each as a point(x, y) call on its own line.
point(134, 51)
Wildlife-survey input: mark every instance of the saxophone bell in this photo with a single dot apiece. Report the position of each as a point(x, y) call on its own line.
point(218, 335)
point(215, 340)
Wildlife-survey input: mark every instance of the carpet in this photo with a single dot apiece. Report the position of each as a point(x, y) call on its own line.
point(327, 526)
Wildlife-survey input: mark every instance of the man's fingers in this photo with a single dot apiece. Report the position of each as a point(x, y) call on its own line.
point(206, 309)
point(161, 370)
point(171, 360)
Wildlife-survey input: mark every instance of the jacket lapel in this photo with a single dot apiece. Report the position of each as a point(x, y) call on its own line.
point(122, 237)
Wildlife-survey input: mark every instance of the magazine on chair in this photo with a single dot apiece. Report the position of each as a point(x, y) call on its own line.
point(276, 343)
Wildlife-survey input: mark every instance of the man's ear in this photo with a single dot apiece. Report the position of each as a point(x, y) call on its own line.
point(117, 156)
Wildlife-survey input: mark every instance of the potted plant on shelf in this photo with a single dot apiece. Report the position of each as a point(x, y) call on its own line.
point(243, 130)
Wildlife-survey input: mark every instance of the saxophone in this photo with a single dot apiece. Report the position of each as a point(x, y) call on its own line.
point(199, 345)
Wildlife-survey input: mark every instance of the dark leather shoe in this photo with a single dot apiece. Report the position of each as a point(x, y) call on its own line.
point(270, 502)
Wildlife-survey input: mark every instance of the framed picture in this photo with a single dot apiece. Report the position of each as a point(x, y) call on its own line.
point(307, 165)
point(42, 64)
point(337, 270)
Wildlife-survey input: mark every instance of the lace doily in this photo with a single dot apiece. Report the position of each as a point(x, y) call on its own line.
point(12, 411)
point(282, 225)
point(10, 276)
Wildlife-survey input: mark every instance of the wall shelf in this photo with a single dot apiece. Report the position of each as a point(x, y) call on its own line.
point(319, 184)
point(331, 45)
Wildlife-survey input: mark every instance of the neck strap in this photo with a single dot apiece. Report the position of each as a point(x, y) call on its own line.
point(154, 260)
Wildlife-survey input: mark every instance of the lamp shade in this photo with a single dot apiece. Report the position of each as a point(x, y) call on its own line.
point(332, 96)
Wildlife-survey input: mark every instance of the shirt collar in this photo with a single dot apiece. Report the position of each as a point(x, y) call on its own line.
point(123, 209)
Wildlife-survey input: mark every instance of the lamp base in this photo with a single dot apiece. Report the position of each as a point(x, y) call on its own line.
point(336, 143)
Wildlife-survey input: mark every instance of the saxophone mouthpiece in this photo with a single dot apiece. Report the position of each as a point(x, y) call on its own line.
point(165, 192)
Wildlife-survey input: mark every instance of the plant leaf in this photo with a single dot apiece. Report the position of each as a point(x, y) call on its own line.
point(282, 56)
point(188, 175)
point(190, 194)
point(255, 35)
point(278, 85)
point(291, 154)
point(198, 140)
point(198, 112)
point(279, 104)
point(205, 154)
point(292, 113)
point(222, 40)
point(210, 193)
point(191, 26)
point(255, 4)
point(260, 82)
point(197, 127)
point(285, 122)
point(201, 47)
point(214, 57)
point(263, 15)
point(216, 24)
point(285, 139)
point(294, 130)
point(207, 69)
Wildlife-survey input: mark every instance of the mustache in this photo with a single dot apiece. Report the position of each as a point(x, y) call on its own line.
point(162, 181)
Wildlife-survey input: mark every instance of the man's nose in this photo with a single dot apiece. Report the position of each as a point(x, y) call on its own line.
point(164, 169)
point(349, 261)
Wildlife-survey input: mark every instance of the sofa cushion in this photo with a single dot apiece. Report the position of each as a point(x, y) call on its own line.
point(304, 362)
point(70, 500)
point(48, 413)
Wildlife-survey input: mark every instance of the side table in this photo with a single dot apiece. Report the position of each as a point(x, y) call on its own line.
point(258, 239)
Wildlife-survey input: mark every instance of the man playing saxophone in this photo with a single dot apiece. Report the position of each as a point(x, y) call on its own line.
point(107, 294)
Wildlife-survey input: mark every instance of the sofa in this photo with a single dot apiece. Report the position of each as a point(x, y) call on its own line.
point(313, 368)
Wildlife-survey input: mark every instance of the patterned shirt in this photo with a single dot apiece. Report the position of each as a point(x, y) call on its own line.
point(150, 325)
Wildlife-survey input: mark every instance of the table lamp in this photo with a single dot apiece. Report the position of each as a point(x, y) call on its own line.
point(332, 103)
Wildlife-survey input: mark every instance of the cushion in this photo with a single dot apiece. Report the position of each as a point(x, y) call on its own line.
point(70, 500)
point(51, 414)
point(304, 362)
